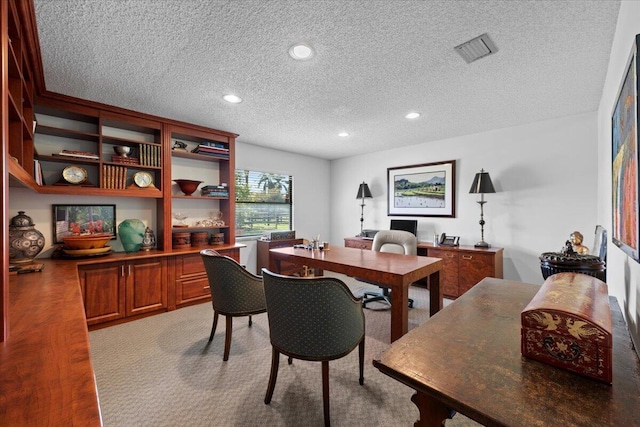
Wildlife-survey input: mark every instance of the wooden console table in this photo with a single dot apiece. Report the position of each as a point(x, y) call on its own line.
point(475, 367)
point(462, 266)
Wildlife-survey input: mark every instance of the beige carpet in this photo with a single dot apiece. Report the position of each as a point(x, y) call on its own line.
point(161, 371)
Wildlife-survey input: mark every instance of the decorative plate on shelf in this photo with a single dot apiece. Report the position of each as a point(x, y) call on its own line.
point(74, 253)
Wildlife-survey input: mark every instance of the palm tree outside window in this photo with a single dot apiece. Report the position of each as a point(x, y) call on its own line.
point(263, 202)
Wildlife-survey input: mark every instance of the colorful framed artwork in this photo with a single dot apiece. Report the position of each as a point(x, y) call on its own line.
point(428, 189)
point(83, 219)
point(624, 143)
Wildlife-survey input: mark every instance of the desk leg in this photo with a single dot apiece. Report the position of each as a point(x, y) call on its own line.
point(432, 412)
point(399, 312)
point(435, 294)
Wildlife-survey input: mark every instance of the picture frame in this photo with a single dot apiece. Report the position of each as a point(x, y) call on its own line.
point(625, 232)
point(83, 219)
point(426, 189)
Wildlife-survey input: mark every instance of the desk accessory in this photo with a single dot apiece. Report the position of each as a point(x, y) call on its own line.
point(363, 193)
point(482, 184)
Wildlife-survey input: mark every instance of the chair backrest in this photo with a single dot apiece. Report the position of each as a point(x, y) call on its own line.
point(234, 290)
point(314, 318)
point(397, 241)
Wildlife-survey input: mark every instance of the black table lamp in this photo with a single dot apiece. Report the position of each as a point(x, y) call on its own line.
point(363, 192)
point(482, 184)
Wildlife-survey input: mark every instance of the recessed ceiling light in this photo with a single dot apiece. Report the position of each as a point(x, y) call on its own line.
point(301, 52)
point(232, 99)
point(343, 134)
point(412, 115)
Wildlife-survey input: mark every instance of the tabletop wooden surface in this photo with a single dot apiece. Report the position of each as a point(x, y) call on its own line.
point(467, 358)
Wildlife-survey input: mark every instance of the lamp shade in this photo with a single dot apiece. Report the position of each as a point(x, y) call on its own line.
point(364, 192)
point(482, 183)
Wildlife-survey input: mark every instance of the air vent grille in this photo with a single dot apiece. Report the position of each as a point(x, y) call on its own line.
point(476, 48)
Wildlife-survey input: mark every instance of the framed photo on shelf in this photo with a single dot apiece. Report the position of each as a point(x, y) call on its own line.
point(422, 190)
point(83, 219)
point(624, 143)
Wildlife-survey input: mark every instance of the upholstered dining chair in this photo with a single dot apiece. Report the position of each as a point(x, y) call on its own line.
point(312, 318)
point(396, 241)
point(234, 292)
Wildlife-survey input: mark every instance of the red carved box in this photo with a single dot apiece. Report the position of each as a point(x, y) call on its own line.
point(568, 324)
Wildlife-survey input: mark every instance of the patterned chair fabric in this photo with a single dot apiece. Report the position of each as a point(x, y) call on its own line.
point(396, 241)
point(234, 292)
point(312, 318)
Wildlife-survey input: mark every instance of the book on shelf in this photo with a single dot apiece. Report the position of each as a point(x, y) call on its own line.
point(37, 172)
point(78, 154)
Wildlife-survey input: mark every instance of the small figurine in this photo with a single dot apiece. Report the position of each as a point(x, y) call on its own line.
point(568, 248)
point(576, 241)
point(179, 146)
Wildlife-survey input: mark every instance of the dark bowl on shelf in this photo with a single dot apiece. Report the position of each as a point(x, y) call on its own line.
point(187, 186)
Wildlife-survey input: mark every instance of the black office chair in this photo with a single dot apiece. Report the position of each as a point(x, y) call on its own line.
point(396, 241)
point(234, 292)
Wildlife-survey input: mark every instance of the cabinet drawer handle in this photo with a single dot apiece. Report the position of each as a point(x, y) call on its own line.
point(467, 256)
point(122, 270)
point(448, 255)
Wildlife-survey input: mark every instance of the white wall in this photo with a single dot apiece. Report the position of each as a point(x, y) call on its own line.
point(311, 201)
point(544, 174)
point(623, 272)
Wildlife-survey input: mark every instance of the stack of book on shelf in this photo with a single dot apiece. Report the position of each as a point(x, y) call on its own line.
point(215, 191)
point(78, 154)
point(114, 177)
point(212, 148)
point(126, 160)
point(150, 155)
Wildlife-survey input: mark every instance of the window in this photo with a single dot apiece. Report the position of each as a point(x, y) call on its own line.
point(263, 202)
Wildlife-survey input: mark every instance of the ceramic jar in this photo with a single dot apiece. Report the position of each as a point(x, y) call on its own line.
point(131, 233)
point(25, 242)
point(148, 240)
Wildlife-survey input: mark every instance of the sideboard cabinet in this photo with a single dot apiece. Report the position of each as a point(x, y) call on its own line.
point(462, 266)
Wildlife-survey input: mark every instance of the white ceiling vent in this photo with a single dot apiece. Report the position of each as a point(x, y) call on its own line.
point(476, 48)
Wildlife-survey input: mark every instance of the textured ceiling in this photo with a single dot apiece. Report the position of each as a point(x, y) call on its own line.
point(375, 61)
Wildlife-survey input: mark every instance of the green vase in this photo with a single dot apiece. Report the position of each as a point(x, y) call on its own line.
point(131, 233)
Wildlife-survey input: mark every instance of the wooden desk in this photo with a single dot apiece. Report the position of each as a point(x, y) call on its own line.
point(467, 359)
point(462, 266)
point(395, 270)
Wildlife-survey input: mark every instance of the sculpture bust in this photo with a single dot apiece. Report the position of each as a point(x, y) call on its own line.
point(576, 241)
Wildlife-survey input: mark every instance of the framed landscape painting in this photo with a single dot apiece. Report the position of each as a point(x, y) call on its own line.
point(422, 190)
point(624, 167)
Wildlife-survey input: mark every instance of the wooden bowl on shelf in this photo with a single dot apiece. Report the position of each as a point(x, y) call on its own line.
point(87, 241)
point(187, 186)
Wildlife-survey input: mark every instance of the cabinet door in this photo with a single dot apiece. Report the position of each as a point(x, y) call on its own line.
point(102, 292)
point(449, 272)
point(473, 268)
point(146, 288)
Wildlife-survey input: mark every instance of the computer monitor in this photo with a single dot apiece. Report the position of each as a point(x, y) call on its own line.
point(410, 225)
